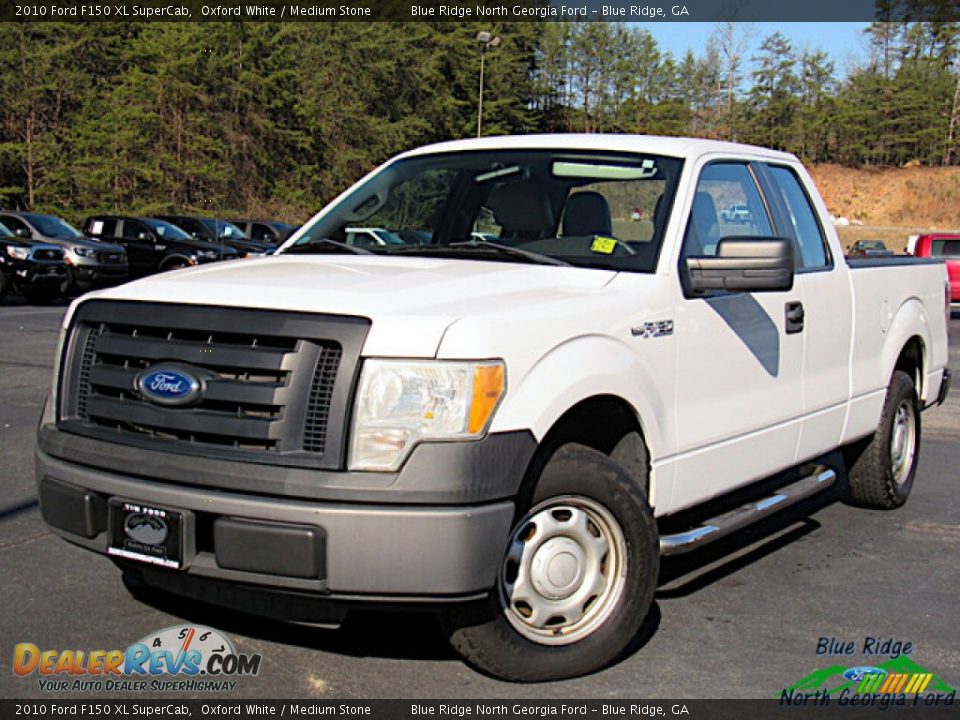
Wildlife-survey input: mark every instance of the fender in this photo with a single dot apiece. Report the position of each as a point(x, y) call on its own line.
point(866, 402)
point(910, 320)
point(585, 367)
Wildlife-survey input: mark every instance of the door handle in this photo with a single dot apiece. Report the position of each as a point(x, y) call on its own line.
point(794, 316)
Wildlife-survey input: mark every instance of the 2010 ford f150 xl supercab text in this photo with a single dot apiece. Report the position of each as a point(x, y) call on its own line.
point(507, 421)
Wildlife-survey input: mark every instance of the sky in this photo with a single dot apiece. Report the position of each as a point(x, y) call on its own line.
point(843, 42)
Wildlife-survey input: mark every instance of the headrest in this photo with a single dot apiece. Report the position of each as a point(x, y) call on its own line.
point(704, 212)
point(586, 213)
point(522, 207)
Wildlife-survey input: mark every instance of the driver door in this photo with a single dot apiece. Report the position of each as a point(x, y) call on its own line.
point(143, 253)
point(739, 383)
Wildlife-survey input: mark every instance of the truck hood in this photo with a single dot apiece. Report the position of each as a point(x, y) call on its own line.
point(411, 300)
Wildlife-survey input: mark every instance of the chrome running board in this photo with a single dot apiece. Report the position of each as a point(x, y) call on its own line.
point(726, 523)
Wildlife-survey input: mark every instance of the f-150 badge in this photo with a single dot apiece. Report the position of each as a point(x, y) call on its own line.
point(658, 328)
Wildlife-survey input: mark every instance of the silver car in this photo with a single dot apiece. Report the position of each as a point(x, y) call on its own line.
point(91, 263)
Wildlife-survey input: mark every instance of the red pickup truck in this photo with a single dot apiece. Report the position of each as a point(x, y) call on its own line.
point(947, 246)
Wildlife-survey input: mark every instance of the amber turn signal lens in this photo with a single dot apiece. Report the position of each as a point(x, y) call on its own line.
point(487, 388)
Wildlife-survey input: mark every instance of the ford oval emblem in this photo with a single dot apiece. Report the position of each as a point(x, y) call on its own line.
point(169, 385)
point(145, 528)
point(856, 674)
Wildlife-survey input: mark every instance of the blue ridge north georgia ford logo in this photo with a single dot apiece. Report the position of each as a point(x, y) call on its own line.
point(169, 385)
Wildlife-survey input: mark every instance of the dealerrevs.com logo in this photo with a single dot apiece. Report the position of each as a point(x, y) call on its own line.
point(187, 658)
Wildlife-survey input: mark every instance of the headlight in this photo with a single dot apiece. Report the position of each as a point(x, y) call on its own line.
point(402, 402)
point(20, 253)
point(83, 251)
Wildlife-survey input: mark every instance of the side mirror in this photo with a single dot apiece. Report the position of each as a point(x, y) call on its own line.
point(267, 237)
point(144, 236)
point(744, 264)
point(22, 232)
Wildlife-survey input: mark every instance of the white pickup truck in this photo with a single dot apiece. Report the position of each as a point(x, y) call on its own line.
point(509, 431)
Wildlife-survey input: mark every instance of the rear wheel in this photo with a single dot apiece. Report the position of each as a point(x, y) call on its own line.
point(881, 470)
point(577, 578)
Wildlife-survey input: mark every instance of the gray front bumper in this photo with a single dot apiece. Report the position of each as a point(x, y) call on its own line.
point(407, 552)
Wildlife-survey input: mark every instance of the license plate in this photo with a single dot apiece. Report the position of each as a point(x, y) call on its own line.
point(146, 533)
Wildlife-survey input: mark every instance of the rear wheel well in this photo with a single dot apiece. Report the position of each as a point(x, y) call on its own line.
point(605, 423)
point(910, 361)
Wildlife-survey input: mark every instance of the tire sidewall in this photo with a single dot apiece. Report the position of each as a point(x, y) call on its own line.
point(901, 388)
point(579, 471)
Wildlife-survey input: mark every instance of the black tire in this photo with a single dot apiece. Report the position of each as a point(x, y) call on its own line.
point(175, 265)
point(487, 636)
point(41, 296)
point(4, 286)
point(876, 478)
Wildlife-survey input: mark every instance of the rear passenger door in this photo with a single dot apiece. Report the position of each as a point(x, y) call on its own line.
point(739, 381)
point(827, 309)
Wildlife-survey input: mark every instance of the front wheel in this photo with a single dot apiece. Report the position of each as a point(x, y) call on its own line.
point(576, 580)
point(881, 470)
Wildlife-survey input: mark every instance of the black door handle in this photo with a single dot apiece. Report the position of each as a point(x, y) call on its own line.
point(794, 315)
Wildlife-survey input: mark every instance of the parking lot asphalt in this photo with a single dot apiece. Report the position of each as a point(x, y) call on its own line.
point(735, 621)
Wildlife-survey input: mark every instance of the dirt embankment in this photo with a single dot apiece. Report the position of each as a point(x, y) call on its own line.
point(907, 197)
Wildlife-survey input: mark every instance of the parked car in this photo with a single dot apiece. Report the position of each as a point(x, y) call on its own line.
point(507, 433)
point(220, 232)
point(266, 231)
point(736, 213)
point(869, 248)
point(91, 264)
point(35, 270)
point(364, 237)
point(155, 245)
point(947, 247)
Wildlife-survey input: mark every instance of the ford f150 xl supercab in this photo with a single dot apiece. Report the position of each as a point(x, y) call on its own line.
point(510, 431)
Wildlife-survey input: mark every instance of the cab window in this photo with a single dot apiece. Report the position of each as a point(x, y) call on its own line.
point(727, 203)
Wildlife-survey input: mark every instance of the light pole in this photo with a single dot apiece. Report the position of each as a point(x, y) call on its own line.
point(487, 41)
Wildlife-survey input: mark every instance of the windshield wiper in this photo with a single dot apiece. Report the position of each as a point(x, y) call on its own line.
point(514, 251)
point(305, 247)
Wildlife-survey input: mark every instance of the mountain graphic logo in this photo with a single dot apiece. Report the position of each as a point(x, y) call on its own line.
point(900, 675)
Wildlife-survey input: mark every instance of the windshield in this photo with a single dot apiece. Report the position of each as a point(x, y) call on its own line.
point(591, 209)
point(167, 230)
point(5, 231)
point(223, 228)
point(53, 226)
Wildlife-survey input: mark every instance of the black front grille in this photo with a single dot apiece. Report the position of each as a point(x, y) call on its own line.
point(108, 258)
point(275, 386)
point(47, 254)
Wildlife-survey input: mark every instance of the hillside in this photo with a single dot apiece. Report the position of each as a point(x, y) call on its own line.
point(907, 197)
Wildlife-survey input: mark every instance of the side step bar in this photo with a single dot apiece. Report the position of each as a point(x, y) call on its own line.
point(722, 525)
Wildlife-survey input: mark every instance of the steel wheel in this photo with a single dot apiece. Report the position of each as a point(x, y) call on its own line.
point(903, 442)
point(564, 570)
